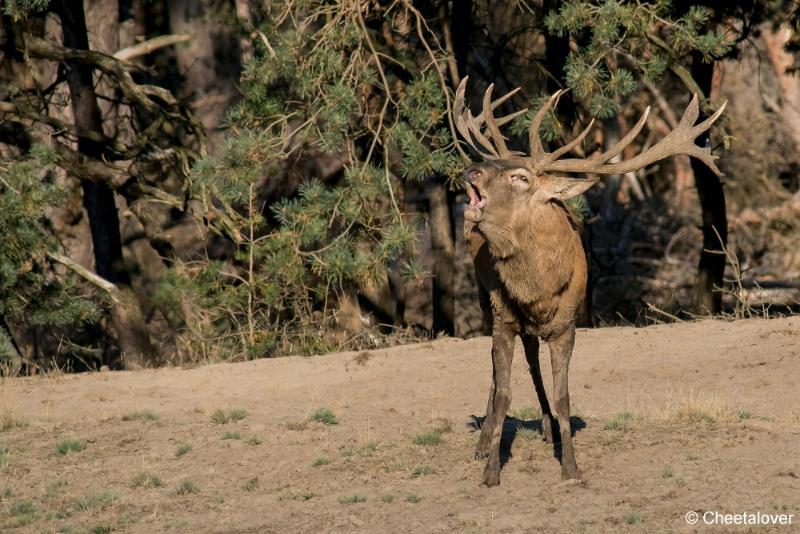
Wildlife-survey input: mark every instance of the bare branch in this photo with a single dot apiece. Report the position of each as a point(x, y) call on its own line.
point(151, 45)
point(87, 275)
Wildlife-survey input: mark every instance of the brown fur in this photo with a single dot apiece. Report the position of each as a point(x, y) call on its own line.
point(531, 272)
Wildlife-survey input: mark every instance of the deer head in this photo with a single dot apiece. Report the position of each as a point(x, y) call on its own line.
point(510, 183)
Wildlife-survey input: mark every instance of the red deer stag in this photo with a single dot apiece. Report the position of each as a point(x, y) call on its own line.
point(527, 251)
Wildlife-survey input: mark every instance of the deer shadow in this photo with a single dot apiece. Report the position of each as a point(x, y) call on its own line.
point(512, 425)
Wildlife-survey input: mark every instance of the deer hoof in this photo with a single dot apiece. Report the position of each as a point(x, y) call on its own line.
point(571, 474)
point(547, 429)
point(491, 480)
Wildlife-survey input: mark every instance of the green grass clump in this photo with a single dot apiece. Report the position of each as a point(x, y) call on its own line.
point(254, 441)
point(325, 416)
point(423, 470)
point(24, 513)
point(6, 494)
point(219, 417)
point(237, 414)
point(4, 459)
point(413, 499)
point(182, 449)
point(743, 415)
point(667, 472)
point(322, 460)
point(143, 415)
point(251, 484)
point(620, 421)
point(186, 487)
point(632, 518)
point(69, 446)
point(95, 501)
point(431, 437)
point(352, 499)
point(146, 479)
point(22, 508)
point(231, 435)
point(387, 498)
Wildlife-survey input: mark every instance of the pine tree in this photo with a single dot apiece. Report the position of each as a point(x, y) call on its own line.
point(325, 81)
point(32, 292)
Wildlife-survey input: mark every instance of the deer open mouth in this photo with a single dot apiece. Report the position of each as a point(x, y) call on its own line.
point(477, 201)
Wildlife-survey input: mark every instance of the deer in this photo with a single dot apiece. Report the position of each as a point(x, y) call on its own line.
point(528, 255)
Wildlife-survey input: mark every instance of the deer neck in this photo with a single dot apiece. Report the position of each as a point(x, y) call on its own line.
point(546, 249)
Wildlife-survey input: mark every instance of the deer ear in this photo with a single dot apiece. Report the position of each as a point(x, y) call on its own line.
point(564, 188)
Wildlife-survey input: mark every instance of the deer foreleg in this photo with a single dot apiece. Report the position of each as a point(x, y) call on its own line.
point(560, 353)
point(502, 355)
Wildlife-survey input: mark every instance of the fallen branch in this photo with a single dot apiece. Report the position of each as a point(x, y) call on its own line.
point(151, 45)
point(87, 275)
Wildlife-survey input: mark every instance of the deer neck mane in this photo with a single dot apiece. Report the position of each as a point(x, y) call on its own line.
point(543, 247)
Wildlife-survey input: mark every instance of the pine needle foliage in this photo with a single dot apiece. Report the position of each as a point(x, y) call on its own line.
point(621, 41)
point(347, 82)
point(31, 291)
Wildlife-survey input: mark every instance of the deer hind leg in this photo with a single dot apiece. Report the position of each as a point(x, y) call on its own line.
point(531, 344)
point(502, 355)
point(560, 353)
point(485, 441)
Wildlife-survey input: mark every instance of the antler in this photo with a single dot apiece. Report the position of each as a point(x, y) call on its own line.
point(681, 140)
point(471, 128)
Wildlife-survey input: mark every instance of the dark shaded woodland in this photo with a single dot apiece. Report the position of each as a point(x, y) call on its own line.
point(183, 182)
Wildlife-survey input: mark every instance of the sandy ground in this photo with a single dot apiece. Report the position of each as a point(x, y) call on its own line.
point(713, 425)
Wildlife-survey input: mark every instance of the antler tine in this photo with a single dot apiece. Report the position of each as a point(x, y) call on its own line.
point(681, 140)
point(535, 141)
point(474, 124)
point(552, 156)
point(468, 126)
point(492, 146)
point(706, 124)
point(625, 141)
point(491, 124)
point(458, 111)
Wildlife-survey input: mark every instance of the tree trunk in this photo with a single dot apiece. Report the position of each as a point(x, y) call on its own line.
point(706, 298)
point(781, 60)
point(443, 249)
point(98, 198)
point(210, 64)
